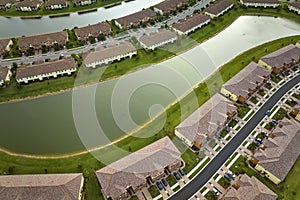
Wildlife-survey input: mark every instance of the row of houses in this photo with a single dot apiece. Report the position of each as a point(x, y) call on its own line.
point(34, 5)
point(119, 180)
point(211, 117)
point(218, 8)
point(261, 3)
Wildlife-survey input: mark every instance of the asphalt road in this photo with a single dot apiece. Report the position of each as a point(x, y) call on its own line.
point(214, 165)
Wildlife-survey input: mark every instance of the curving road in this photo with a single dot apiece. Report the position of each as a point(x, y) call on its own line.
point(214, 165)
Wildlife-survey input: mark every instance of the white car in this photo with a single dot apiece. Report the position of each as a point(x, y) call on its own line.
point(216, 191)
point(231, 174)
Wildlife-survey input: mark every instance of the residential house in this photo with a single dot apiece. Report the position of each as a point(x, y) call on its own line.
point(135, 19)
point(131, 173)
point(245, 83)
point(281, 59)
point(280, 152)
point(158, 39)
point(296, 112)
point(56, 4)
point(25, 74)
point(298, 44)
point(5, 75)
point(48, 40)
point(84, 33)
point(6, 4)
point(28, 5)
point(5, 45)
point(206, 121)
point(218, 8)
point(261, 3)
point(169, 6)
point(294, 6)
point(41, 186)
point(105, 55)
point(190, 24)
point(83, 2)
point(247, 188)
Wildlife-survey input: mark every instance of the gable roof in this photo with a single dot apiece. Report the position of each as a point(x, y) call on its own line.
point(157, 37)
point(262, 1)
point(282, 56)
point(41, 187)
point(250, 189)
point(281, 151)
point(45, 68)
point(191, 22)
point(3, 43)
point(136, 17)
point(3, 73)
point(206, 119)
point(218, 6)
point(133, 169)
point(246, 79)
point(55, 2)
point(94, 29)
point(29, 3)
point(295, 4)
point(169, 5)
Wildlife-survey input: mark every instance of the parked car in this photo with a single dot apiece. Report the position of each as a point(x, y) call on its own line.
point(181, 172)
point(227, 177)
point(176, 176)
point(159, 186)
point(231, 174)
point(275, 121)
point(215, 191)
point(165, 183)
point(258, 140)
point(267, 112)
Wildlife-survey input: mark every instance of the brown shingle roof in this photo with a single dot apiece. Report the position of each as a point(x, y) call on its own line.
point(103, 53)
point(94, 29)
point(246, 79)
point(262, 1)
point(158, 37)
point(3, 73)
point(282, 56)
point(28, 3)
point(45, 68)
point(3, 43)
point(207, 119)
point(169, 5)
point(55, 2)
point(218, 6)
point(5, 2)
point(250, 189)
point(295, 4)
point(133, 169)
point(41, 187)
point(135, 18)
point(38, 40)
point(281, 151)
point(191, 22)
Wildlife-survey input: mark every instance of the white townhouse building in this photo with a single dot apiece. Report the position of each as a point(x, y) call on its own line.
point(105, 55)
point(46, 70)
point(261, 3)
point(294, 6)
point(158, 39)
point(218, 8)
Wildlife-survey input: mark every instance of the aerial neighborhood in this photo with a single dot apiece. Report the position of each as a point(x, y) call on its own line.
point(240, 140)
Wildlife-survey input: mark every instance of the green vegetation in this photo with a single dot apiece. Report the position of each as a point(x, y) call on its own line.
point(224, 183)
point(252, 146)
point(232, 123)
point(296, 95)
point(230, 159)
point(199, 169)
point(153, 191)
point(223, 133)
point(211, 196)
point(254, 100)
point(242, 110)
point(268, 86)
point(275, 78)
point(191, 159)
point(291, 103)
point(269, 126)
point(280, 114)
point(261, 92)
point(171, 180)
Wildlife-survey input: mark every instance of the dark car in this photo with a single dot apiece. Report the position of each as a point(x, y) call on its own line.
point(228, 178)
point(181, 172)
point(176, 176)
point(159, 186)
point(165, 183)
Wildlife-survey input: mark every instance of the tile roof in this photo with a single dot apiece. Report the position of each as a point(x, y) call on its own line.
point(246, 79)
point(45, 68)
point(4, 2)
point(135, 18)
point(29, 3)
point(295, 4)
point(207, 119)
point(38, 40)
point(55, 2)
point(281, 151)
point(41, 187)
point(191, 22)
point(111, 51)
point(3, 43)
point(133, 169)
point(218, 6)
point(250, 189)
point(158, 37)
point(3, 73)
point(95, 29)
point(282, 56)
point(169, 5)
point(262, 1)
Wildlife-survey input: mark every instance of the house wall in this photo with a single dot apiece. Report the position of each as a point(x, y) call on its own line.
point(7, 48)
point(268, 174)
point(211, 15)
point(298, 44)
point(292, 8)
point(298, 117)
point(8, 76)
point(153, 47)
point(263, 64)
point(192, 29)
point(1, 82)
point(158, 11)
point(228, 94)
point(265, 5)
point(81, 188)
point(118, 24)
point(183, 139)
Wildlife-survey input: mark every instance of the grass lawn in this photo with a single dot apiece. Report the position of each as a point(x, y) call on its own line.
point(280, 114)
point(261, 92)
point(268, 86)
point(191, 160)
point(254, 100)
point(242, 110)
point(171, 180)
point(224, 183)
point(291, 103)
point(153, 191)
point(296, 95)
point(211, 196)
